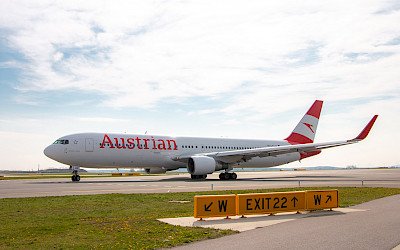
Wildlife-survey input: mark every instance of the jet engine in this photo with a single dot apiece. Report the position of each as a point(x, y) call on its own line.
point(202, 165)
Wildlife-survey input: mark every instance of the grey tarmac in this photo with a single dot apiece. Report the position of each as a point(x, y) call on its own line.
point(183, 183)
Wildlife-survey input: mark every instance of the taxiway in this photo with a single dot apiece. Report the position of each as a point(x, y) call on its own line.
point(183, 183)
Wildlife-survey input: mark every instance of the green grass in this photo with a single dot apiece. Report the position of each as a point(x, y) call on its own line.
point(120, 220)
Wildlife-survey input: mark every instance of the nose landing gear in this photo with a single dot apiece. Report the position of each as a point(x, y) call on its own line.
point(75, 176)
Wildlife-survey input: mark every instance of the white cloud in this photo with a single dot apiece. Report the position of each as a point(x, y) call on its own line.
point(9, 64)
point(163, 51)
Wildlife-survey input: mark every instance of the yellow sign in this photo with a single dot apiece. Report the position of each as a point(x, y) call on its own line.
point(322, 199)
point(270, 203)
point(214, 206)
point(243, 204)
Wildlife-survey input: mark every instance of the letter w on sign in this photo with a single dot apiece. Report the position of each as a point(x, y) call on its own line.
point(317, 199)
point(222, 205)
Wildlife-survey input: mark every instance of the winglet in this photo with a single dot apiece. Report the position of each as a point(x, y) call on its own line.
point(366, 130)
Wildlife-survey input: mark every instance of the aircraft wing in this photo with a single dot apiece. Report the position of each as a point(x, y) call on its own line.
point(236, 156)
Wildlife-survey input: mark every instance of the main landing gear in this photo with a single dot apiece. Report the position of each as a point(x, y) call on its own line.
point(75, 176)
point(227, 176)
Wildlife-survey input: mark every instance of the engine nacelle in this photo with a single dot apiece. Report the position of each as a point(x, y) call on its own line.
point(155, 170)
point(201, 165)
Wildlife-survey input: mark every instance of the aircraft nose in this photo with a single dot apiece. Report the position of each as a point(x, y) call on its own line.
point(49, 151)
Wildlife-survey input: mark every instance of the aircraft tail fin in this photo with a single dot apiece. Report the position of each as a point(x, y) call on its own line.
point(305, 130)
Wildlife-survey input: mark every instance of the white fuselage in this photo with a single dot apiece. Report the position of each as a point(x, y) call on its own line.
point(201, 156)
point(99, 150)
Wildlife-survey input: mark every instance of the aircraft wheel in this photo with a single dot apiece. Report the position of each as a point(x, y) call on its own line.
point(73, 178)
point(225, 176)
point(77, 178)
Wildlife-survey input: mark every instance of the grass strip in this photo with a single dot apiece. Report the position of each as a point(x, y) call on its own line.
point(122, 220)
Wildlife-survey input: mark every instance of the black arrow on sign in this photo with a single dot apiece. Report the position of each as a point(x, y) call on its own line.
point(329, 198)
point(207, 208)
point(294, 199)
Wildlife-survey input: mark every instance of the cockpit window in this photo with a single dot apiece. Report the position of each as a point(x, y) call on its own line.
point(61, 142)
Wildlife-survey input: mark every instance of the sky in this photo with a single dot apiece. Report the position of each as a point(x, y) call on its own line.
point(236, 69)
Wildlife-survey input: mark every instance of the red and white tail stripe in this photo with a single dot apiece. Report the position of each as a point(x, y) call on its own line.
point(305, 130)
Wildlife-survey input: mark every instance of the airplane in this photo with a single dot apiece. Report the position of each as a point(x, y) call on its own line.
point(201, 156)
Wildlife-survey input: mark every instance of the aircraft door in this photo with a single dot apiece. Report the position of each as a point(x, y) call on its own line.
point(89, 145)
